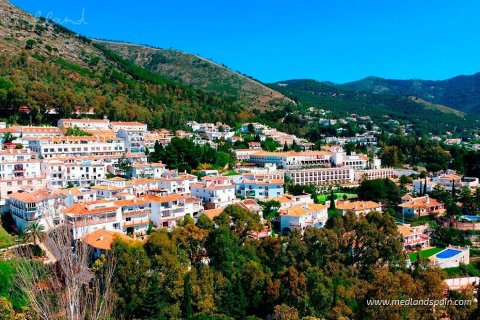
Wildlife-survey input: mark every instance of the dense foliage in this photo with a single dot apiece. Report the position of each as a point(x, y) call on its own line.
point(328, 273)
point(186, 155)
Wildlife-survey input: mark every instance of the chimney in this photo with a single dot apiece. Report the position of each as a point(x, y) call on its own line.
point(100, 238)
point(427, 199)
point(305, 206)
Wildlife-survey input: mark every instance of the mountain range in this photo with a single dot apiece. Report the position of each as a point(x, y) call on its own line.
point(461, 92)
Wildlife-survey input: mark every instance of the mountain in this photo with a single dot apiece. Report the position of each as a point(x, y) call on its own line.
point(48, 72)
point(426, 116)
point(200, 73)
point(461, 92)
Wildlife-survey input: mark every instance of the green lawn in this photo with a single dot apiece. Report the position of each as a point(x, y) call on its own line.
point(6, 239)
point(231, 173)
point(425, 253)
point(471, 269)
point(323, 197)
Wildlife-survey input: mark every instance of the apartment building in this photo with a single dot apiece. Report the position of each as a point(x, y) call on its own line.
point(322, 176)
point(135, 215)
point(292, 159)
point(85, 218)
point(215, 192)
point(168, 210)
point(69, 146)
point(61, 173)
point(132, 133)
point(147, 170)
point(372, 174)
point(33, 131)
point(261, 186)
point(38, 206)
point(301, 216)
point(174, 183)
point(84, 124)
point(20, 169)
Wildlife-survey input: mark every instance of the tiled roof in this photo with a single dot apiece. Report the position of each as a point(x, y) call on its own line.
point(302, 209)
point(32, 197)
point(103, 239)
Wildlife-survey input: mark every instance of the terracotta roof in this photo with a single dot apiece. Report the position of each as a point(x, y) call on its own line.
point(212, 213)
point(81, 208)
point(103, 239)
point(162, 199)
point(133, 202)
point(356, 205)
point(302, 209)
point(126, 123)
point(421, 202)
point(32, 197)
point(40, 129)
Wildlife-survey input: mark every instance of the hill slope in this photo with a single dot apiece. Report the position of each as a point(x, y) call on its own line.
point(55, 72)
point(426, 116)
point(461, 93)
point(199, 73)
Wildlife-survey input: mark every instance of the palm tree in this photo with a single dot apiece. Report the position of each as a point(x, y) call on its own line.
point(34, 230)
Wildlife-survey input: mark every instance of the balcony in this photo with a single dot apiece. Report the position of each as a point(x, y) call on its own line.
point(136, 222)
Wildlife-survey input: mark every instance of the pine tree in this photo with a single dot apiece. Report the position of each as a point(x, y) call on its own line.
point(425, 186)
point(332, 200)
point(285, 147)
point(187, 298)
point(454, 192)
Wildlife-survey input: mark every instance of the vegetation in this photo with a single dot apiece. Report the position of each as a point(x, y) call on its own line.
point(6, 239)
point(314, 275)
point(185, 155)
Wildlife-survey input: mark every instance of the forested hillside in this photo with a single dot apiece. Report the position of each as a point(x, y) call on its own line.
point(200, 73)
point(461, 92)
point(426, 117)
point(55, 72)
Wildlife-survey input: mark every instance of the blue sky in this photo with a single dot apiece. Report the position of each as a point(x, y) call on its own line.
point(335, 40)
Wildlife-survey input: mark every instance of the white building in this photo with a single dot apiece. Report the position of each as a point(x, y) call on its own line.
point(57, 147)
point(37, 206)
point(215, 192)
point(301, 216)
point(322, 176)
point(85, 218)
point(84, 124)
point(20, 170)
point(292, 159)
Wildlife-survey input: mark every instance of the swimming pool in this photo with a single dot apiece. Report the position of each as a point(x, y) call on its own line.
point(447, 253)
point(470, 218)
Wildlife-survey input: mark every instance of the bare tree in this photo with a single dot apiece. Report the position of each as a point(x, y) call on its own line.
point(64, 287)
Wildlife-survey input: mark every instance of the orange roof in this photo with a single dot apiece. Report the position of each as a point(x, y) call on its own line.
point(103, 239)
point(133, 202)
point(302, 209)
point(32, 197)
point(81, 208)
point(162, 199)
point(40, 129)
point(357, 205)
point(421, 202)
point(126, 123)
point(212, 213)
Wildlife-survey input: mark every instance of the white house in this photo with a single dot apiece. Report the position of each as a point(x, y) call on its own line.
point(300, 216)
point(37, 206)
point(216, 192)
